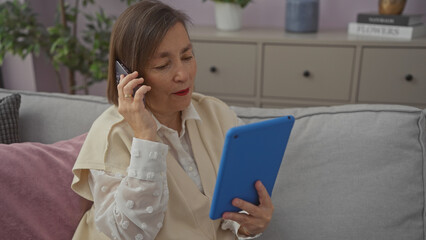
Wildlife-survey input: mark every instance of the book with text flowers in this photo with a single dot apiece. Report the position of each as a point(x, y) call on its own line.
point(386, 31)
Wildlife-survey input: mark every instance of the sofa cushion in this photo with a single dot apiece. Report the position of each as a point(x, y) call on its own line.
point(51, 117)
point(9, 115)
point(37, 200)
point(350, 172)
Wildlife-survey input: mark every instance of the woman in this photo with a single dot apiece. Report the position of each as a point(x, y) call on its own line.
point(149, 162)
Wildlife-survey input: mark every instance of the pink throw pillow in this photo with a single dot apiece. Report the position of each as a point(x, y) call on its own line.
point(35, 188)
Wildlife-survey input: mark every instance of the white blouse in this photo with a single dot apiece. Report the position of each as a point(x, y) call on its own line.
point(119, 213)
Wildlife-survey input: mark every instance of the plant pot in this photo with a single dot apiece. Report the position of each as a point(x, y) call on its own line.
point(228, 16)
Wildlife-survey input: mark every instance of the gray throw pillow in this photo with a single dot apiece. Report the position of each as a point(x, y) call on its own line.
point(9, 115)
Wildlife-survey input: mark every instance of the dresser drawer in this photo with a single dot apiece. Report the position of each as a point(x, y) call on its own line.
point(225, 68)
point(308, 72)
point(393, 75)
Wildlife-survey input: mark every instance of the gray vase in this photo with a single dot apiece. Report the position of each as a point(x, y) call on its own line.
point(302, 16)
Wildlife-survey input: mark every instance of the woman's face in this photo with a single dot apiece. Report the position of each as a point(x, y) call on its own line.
point(170, 73)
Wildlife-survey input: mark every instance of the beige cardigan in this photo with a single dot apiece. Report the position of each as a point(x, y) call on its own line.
point(107, 147)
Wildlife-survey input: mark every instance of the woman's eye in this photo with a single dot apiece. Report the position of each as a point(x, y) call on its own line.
point(187, 58)
point(162, 66)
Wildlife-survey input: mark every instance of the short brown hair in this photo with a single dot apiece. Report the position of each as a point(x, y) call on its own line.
point(136, 36)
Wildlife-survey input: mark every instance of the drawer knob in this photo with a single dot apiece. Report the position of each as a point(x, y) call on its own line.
point(306, 73)
point(213, 69)
point(409, 77)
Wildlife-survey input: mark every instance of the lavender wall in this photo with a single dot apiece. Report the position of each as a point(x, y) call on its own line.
point(334, 14)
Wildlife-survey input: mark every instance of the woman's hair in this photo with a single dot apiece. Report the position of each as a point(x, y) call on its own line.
point(136, 35)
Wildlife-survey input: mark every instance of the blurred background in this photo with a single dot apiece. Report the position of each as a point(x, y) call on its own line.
point(35, 73)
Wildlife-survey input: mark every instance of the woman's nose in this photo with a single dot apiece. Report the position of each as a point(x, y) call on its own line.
point(182, 73)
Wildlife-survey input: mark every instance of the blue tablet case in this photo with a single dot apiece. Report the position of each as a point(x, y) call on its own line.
point(251, 152)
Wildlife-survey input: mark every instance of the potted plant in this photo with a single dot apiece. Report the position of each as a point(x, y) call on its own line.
point(228, 13)
point(67, 46)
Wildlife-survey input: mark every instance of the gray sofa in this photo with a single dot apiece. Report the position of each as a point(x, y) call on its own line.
point(349, 172)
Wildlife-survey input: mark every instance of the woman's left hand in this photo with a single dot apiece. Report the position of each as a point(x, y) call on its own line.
point(258, 217)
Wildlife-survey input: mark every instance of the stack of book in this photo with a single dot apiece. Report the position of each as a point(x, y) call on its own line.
point(389, 26)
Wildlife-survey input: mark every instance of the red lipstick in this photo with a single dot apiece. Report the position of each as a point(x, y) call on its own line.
point(183, 92)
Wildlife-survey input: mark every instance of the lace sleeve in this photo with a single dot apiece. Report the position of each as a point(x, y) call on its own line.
point(133, 206)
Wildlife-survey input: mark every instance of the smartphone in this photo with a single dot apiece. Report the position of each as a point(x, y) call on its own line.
point(121, 69)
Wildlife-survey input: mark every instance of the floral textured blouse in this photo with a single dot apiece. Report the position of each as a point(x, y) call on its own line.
point(133, 206)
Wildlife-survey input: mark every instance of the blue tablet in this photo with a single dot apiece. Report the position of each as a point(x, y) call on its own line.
point(251, 152)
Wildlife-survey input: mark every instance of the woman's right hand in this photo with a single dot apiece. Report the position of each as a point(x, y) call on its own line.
point(133, 109)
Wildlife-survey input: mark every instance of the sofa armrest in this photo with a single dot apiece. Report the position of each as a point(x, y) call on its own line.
point(349, 172)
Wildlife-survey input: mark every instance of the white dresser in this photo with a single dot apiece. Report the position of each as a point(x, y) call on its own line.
point(271, 68)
